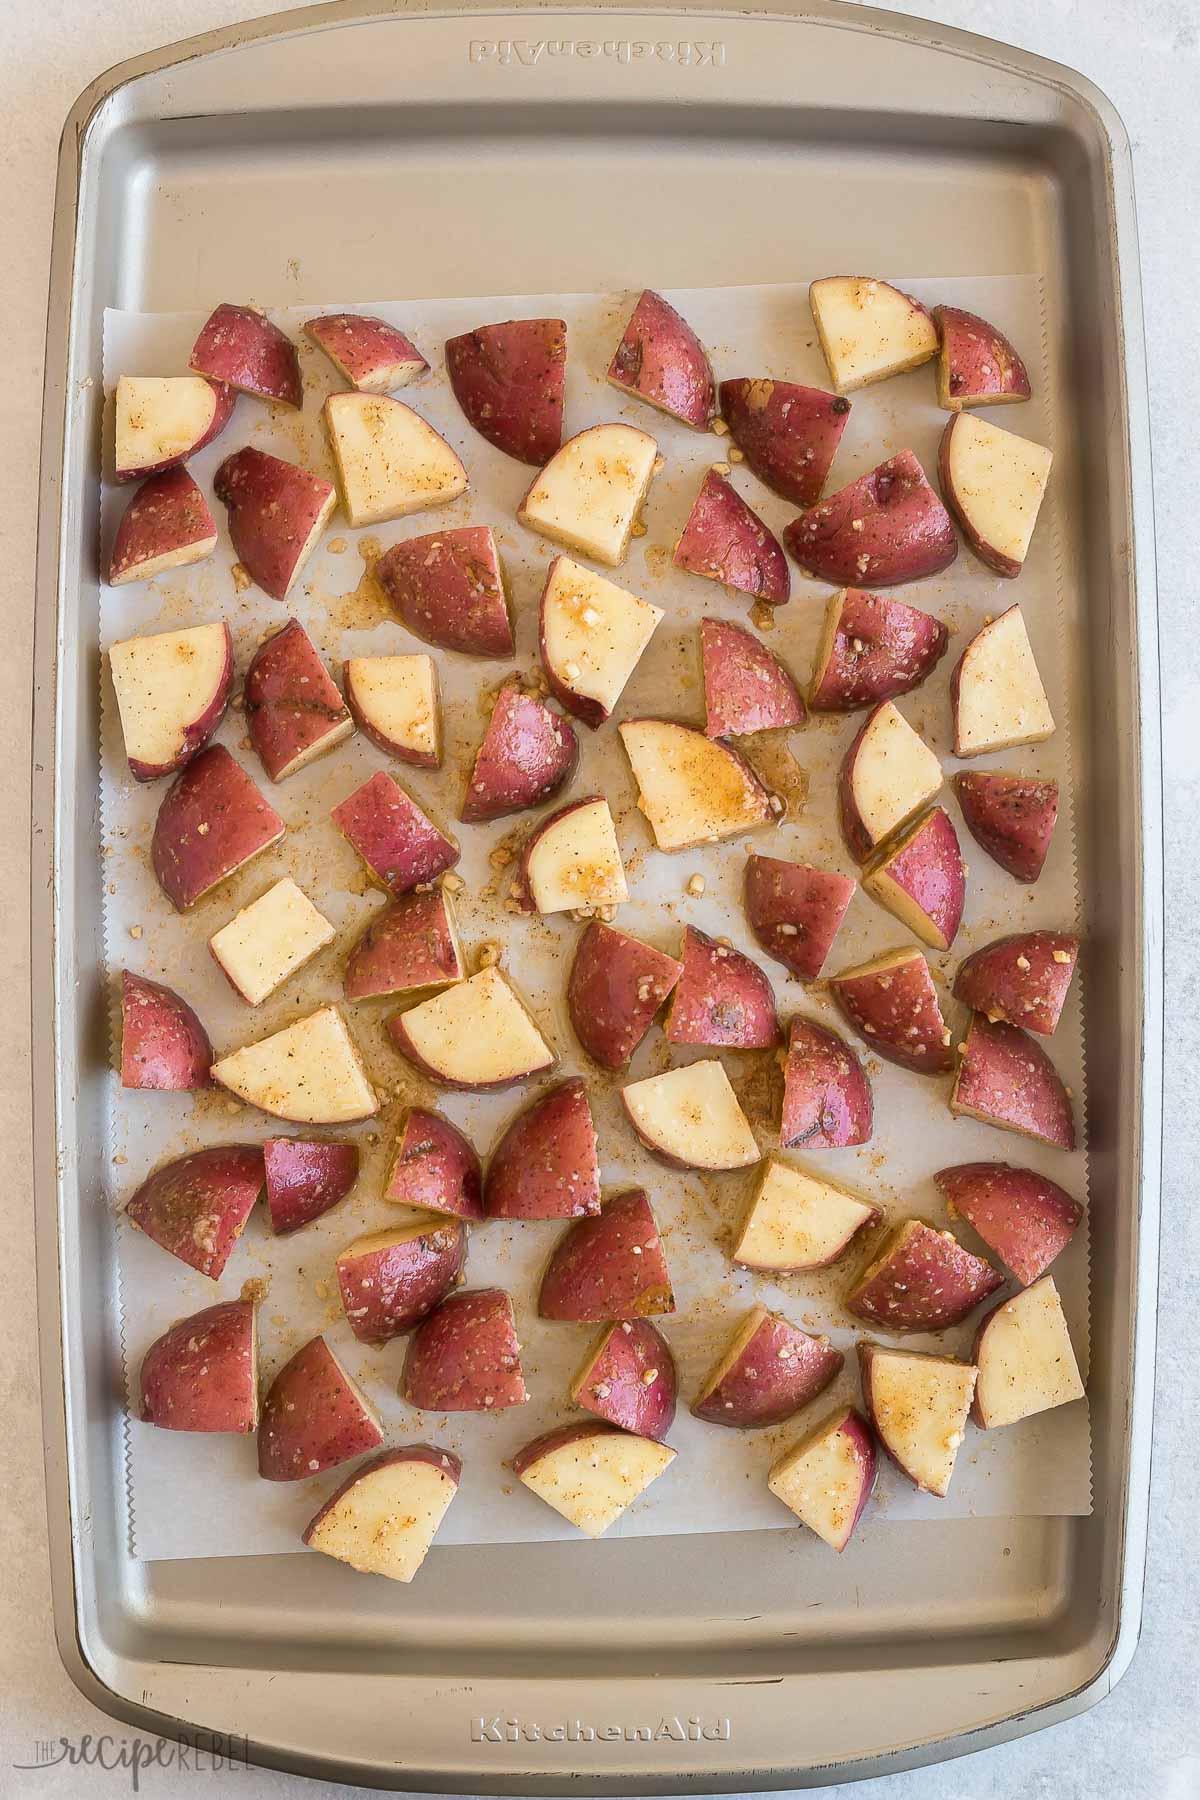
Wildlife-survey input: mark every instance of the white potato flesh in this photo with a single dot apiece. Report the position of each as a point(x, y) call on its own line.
point(692, 1116)
point(593, 1479)
point(821, 1480)
point(587, 496)
point(797, 1221)
point(691, 789)
point(159, 419)
point(997, 480)
point(164, 685)
point(390, 461)
point(593, 632)
point(309, 1072)
point(895, 773)
point(1026, 1362)
point(477, 1033)
point(919, 1407)
point(576, 862)
point(386, 1522)
point(869, 329)
point(1001, 701)
point(270, 939)
point(398, 698)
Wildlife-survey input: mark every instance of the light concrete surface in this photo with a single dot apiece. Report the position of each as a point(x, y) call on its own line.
point(1143, 1743)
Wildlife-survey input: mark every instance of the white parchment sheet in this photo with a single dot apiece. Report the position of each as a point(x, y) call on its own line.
point(196, 1496)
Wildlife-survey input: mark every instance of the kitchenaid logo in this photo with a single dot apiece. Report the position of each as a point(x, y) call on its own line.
point(527, 53)
point(673, 1730)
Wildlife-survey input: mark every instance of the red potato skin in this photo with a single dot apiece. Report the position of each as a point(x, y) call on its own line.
point(906, 531)
point(226, 399)
point(445, 1460)
point(448, 589)
point(1024, 1218)
point(977, 363)
point(928, 1283)
point(273, 507)
point(1012, 817)
point(609, 1267)
point(899, 1016)
point(827, 1103)
point(291, 700)
point(926, 863)
point(241, 348)
point(305, 1178)
point(360, 346)
point(401, 847)
point(882, 648)
point(196, 1206)
point(778, 1373)
point(168, 512)
point(746, 688)
point(661, 359)
point(215, 792)
point(528, 753)
point(726, 541)
point(163, 1044)
point(509, 380)
point(465, 1356)
point(631, 1381)
point(1022, 980)
point(795, 912)
point(312, 1419)
point(1005, 1075)
point(615, 987)
point(545, 1165)
point(408, 945)
point(789, 435)
point(721, 999)
point(198, 732)
point(386, 1292)
point(199, 1375)
point(436, 1168)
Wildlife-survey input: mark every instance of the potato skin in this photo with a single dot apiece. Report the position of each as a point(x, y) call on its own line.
point(509, 381)
point(305, 1178)
point(465, 1356)
point(795, 912)
point(200, 1374)
point(746, 688)
point(609, 1267)
point(528, 753)
point(615, 987)
point(629, 1379)
point(291, 700)
point(163, 1043)
point(448, 589)
point(366, 351)
point(827, 1101)
point(1023, 1217)
point(409, 945)
point(400, 846)
point(661, 360)
point(779, 1371)
point(897, 1012)
point(977, 365)
point(387, 1290)
point(312, 1418)
point(925, 1280)
point(880, 649)
point(274, 507)
point(167, 513)
point(788, 434)
point(924, 866)
point(1006, 1078)
point(196, 1206)
point(1012, 817)
point(906, 532)
point(726, 541)
point(436, 1168)
point(1022, 979)
point(545, 1164)
point(721, 999)
point(241, 348)
point(215, 792)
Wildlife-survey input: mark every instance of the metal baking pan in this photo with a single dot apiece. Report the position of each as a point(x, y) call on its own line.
point(352, 149)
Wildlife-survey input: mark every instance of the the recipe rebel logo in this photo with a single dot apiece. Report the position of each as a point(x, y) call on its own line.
point(527, 53)
point(673, 1730)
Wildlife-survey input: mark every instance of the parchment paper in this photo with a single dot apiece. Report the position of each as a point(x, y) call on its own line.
point(194, 1496)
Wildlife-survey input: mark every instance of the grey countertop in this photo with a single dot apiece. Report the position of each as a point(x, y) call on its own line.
point(1143, 1742)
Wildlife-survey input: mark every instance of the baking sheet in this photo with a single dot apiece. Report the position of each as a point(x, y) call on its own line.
point(197, 1497)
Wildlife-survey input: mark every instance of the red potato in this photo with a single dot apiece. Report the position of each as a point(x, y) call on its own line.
point(921, 879)
point(167, 525)
point(893, 1003)
point(872, 649)
point(528, 753)
point(412, 944)
point(390, 1280)
point(309, 1073)
point(277, 513)
point(509, 380)
point(796, 1221)
point(918, 1404)
point(1024, 1218)
point(269, 941)
point(615, 988)
point(1022, 979)
point(722, 998)
point(448, 589)
point(367, 352)
point(1006, 1079)
point(725, 540)
point(163, 1044)
point(1025, 1358)
point(662, 361)
point(590, 1474)
point(196, 1206)
point(692, 789)
point(611, 1266)
point(390, 461)
point(827, 1101)
point(977, 366)
point(395, 703)
point(795, 912)
point(590, 493)
point(888, 526)
point(996, 691)
point(202, 1374)
point(591, 635)
point(769, 1370)
point(922, 1280)
point(172, 690)
point(401, 846)
point(571, 861)
point(212, 821)
point(476, 1035)
point(294, 712)
point(465, 1356)
point(628, 1379)
point(994, 482)
point(435, 1167)
point(869, 329)
point(238, 345)
point(545, 1165)
point(314, 1417)
point(384, 1517)
point(788, 435)
point(158, 422)
point(888, 775)
point(827, 1478)
point(1012, 817)
point(305, 1179)
point(689, 1118)
point(746, 688)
